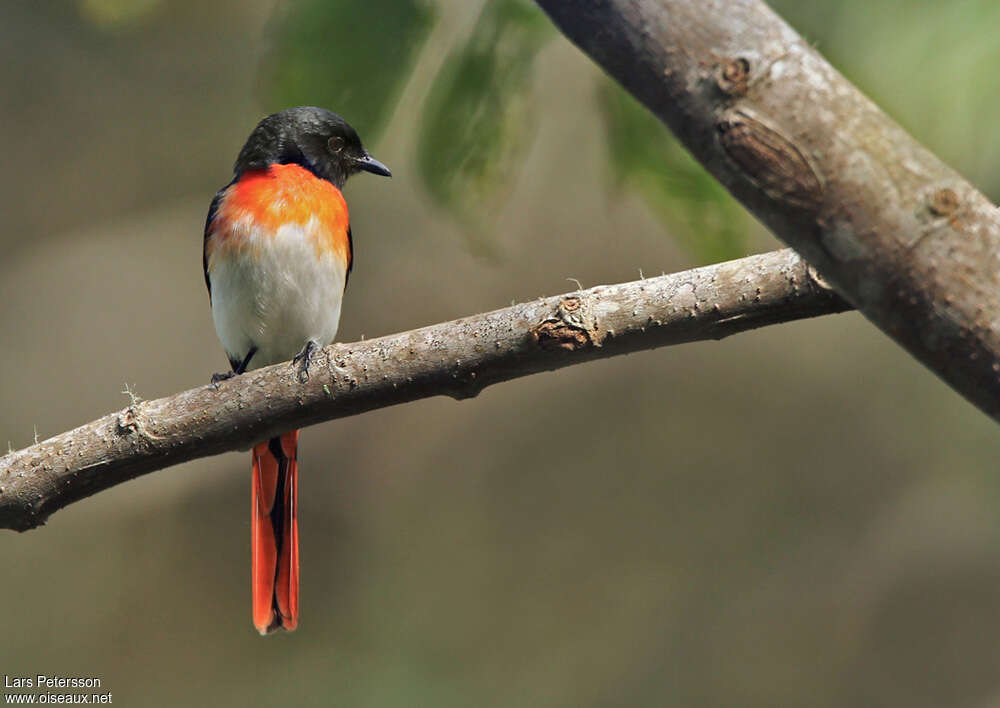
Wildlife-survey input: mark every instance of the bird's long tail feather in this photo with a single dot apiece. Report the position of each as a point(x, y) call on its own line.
point(275, 534)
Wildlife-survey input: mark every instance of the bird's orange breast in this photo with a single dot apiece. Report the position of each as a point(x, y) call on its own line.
point(262, 201)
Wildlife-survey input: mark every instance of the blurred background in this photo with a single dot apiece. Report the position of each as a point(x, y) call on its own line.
point(801, 515)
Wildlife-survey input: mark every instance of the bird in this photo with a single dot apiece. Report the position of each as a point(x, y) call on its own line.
point(277, 255)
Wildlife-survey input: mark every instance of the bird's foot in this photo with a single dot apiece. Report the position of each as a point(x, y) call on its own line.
point(304, 358)
point(239, 367)
point(219, 378)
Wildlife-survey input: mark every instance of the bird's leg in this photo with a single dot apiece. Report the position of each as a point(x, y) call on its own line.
point(237, 368)
point(304, 358)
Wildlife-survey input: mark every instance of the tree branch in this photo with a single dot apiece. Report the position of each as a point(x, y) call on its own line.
point(457, 358)
point(899, 234)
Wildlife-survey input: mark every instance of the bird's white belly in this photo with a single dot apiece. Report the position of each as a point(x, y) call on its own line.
point(276, 293)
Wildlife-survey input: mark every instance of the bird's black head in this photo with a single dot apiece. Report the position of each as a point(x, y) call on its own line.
point(317, 139)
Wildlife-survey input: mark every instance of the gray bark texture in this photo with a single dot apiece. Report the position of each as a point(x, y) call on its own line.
point(897, 232)
point(456, 358)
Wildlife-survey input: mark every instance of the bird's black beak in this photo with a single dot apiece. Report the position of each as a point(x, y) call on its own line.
point(369, 164)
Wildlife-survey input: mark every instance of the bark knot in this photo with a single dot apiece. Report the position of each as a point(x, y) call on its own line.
point(733, 76)
point(573, 327)
point(944, 202)
point(128, 422)
point(770, 160)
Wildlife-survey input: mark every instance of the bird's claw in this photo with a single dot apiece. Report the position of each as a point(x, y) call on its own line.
point(219, 378)
point(304, 358)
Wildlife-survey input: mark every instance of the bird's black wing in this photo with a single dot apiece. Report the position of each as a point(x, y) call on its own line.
point(212, 209)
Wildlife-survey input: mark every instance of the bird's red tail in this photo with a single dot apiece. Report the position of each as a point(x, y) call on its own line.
point(275, 534)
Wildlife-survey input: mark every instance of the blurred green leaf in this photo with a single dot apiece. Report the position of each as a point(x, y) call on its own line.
point(699, 212)
point(348, 56)
point(477, 121)
point(116, 14)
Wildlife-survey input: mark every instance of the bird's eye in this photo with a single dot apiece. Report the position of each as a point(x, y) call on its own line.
point(336, 143)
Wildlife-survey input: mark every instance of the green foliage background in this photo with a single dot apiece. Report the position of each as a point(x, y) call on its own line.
point(355, 56)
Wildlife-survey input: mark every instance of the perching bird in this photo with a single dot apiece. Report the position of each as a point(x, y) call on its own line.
point(277, 255)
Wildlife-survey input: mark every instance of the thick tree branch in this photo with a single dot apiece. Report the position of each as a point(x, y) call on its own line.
point(902, 236)
point(456, 358)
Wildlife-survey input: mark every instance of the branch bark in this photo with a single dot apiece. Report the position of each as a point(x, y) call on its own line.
point(899, 234)
point(456, 358)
